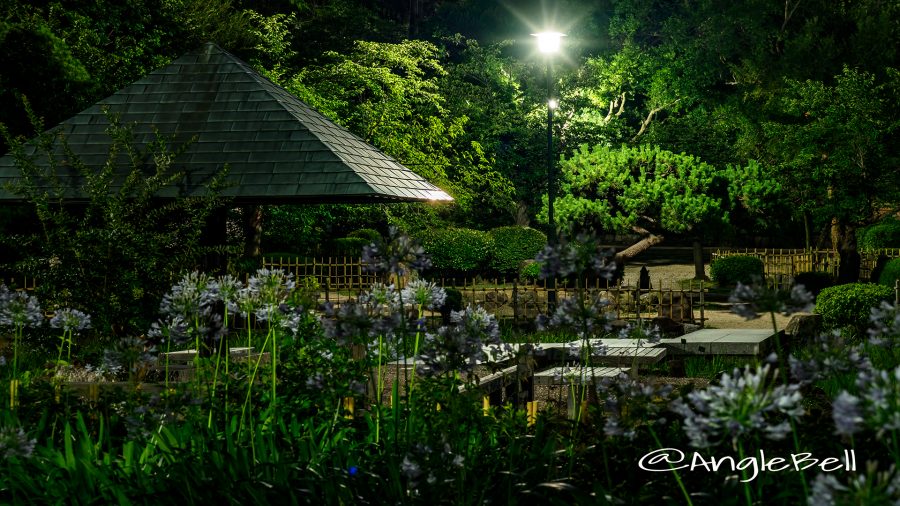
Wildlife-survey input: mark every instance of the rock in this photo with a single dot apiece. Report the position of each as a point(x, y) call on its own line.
point(690, 327)
point(804, 326)
point(668, 326)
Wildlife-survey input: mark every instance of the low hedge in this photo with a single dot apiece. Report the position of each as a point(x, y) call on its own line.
point(369, 234)
point(884, 234)
point(890, 274)
point(850, 305)
point(513, 246)
point(530, 271)
point(350, 246)
point(457, 250)
point(728, 271)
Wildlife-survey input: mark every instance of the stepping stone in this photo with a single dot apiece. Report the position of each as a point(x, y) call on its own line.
point(721, 342)
point(617, 352)
point(566, 375)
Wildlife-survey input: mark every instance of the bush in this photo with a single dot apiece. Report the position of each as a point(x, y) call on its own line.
point(850, 304)
point(814, 282)
point(350, 246)
point(530, 271)
point(885, 234)
point(730, 270)
point(369, 234)
point(890, 274)
point(456, 250)
point(514, 245)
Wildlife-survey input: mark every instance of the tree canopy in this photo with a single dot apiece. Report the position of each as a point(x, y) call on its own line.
point(790, 104)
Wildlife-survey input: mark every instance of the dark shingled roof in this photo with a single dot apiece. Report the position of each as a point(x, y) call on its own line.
point(278, 149)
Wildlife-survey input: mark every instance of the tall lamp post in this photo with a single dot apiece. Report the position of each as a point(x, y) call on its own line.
point(549, 43)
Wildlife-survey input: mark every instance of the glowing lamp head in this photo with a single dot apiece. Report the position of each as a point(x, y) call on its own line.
point(549, 42)
point(552, 104)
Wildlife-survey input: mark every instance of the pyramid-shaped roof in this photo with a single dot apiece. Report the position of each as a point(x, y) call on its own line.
point(278, 149)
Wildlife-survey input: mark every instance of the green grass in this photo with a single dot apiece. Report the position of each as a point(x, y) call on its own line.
point(711, 366)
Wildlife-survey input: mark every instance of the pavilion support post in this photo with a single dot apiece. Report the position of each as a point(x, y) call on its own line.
point(252, 224)
point(215, 235)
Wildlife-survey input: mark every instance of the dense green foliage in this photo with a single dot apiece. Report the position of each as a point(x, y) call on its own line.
point(850, 305)
point(890, 274)
point(734, 269)
point(619, 189)
point(530, 271)
point(118, 252)
point(458, 250)
point(884, 234)
point(513, 246)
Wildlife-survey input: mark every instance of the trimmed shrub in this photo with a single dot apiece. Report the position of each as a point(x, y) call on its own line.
point(456, 250)
point(350, 246)
point(369, 234)
point(530, 271)
point(814, 282)
point(728, 271)
point(885, 234)
point(850, 304)
point(513, 246)
point(890, 274)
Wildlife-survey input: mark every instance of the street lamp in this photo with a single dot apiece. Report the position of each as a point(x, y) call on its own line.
point(549, 42)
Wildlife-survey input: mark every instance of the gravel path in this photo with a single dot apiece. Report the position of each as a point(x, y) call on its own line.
point(670, 276)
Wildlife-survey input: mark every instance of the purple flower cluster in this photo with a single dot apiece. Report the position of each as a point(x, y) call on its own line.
point(19, 310)
point(873, 487)
point(400, 255)
point(15, 443)
point(470, 337)
point(750, 301)
point(876, 407)
point(628, 404)
point(580, 257)
point(71, 320)
point(743, 403)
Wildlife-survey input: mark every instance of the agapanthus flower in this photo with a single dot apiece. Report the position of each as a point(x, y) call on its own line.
point(580, 257)
point(71, 320)
point(20, 310)
point(877, 405)
point(885, 324)
point(228, 288)
point(380, 298)
point(831, 355)
point(15, 443)
point(743, 403)
point(750, 301)
point(400, 255)
point(845, 412)
point(472, 333)
point(628, 403)
point(586, 317)
point(189, 296)
point(426, 294)
point(873, 487)
point(352, 322)
point(174, 330)
point(271, 286)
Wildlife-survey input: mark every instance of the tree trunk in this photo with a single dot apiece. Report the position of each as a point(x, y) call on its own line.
point(699, 266)
point(843, 240)
point(637, 248)
point(252, 217)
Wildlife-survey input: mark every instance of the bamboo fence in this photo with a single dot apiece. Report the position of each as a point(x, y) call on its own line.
point(782, 265)
point(342, 279)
